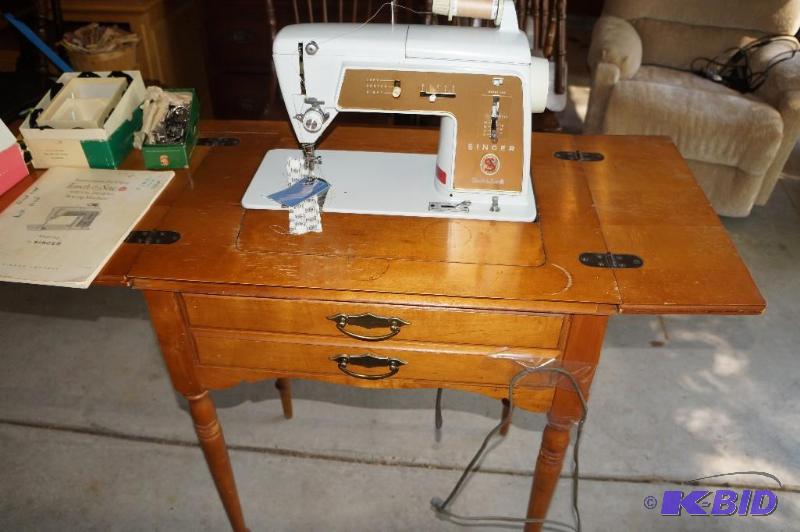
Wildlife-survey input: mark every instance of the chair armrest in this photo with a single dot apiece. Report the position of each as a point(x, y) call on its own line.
point(782, 91)
point(616, 41)
point(783, 78)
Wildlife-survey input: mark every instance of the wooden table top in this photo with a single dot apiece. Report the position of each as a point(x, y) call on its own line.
point(641, 199)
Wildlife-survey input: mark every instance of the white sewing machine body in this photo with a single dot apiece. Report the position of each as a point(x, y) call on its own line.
point(483, 82)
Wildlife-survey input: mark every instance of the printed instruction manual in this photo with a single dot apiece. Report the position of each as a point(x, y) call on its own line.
point(65, 227)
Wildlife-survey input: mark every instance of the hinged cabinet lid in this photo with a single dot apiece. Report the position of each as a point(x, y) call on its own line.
point(650, 205)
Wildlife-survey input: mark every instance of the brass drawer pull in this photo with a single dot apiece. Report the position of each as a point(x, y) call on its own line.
point(368, 321)
point(368, 361)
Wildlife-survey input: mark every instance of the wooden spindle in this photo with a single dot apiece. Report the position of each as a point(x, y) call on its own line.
point(561, 53)
point(545, 14)
point(296, 12)
point(537, 26)
point(324, 10)
point(272, 20)
point(550, 40)
point(524, 10)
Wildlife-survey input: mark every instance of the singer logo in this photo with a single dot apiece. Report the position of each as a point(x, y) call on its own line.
point(490, 164)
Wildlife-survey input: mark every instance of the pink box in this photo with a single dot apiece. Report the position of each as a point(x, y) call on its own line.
point(12, 162)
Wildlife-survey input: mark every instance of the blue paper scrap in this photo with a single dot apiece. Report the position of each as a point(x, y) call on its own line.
point(300, 191)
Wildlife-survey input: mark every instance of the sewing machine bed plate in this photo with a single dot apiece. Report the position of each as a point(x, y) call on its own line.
point(392, 184)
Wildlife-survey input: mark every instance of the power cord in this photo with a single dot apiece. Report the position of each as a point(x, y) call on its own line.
point(441, 507)
point(732, 67)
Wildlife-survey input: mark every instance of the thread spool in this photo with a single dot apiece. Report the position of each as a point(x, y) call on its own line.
point(480, 9)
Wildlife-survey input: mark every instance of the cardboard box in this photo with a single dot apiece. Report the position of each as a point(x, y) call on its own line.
point(12, 161)
point(104, 147)
point(158, 156)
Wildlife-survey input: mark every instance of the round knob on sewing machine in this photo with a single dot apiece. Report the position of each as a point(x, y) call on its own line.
point(313, 119)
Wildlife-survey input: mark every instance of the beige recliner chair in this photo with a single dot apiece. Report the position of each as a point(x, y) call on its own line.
point(735, 144)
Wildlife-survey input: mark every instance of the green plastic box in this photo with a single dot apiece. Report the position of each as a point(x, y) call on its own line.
point(159, 156)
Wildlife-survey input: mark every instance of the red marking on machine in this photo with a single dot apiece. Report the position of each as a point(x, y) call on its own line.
point(490, 164)
point(441, 175)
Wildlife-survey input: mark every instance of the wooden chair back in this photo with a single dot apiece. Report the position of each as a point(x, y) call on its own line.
point(547, 21)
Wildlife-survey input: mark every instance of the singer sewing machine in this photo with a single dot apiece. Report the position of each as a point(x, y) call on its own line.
point(68, 218)
point(482, 82)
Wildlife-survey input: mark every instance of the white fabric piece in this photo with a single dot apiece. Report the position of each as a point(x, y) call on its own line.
point(305, 216)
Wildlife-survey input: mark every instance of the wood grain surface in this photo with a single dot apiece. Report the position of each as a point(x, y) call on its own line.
point(641, 199)
point(424, 323)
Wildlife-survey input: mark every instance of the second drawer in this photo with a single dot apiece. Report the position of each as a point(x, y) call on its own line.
point(402, 360)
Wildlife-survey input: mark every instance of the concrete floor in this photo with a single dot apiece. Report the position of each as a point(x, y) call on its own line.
point(93, 438)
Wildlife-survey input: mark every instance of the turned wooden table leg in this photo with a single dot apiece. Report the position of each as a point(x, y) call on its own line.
point(284, 386)
point(209, 433)
point(582, 350)
point(555, 441)
point(174, 337)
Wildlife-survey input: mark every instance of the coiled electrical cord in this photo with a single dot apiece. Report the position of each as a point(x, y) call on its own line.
point(732, 67)
point(440, 507)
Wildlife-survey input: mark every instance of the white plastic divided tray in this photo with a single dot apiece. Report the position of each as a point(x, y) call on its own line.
point(397, 184)
point(83, 103)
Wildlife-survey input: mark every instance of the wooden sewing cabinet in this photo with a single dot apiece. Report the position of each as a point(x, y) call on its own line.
point(238, 299)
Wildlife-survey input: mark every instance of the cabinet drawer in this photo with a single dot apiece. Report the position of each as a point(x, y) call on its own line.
point(415, 361)
point(423, 324)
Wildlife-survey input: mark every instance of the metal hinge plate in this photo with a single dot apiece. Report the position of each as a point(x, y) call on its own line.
point(582, 156)
point(611, 260)
point(153, 237)
point(218, 141)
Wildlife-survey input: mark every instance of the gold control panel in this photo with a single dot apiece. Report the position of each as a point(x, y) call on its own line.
point(488, 111)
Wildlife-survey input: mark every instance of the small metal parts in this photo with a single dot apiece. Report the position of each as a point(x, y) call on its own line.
point(312, 47)
point(310, 159)
point(495, 204)
point(166, 117)
point(441, 206)
point(172, 130)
